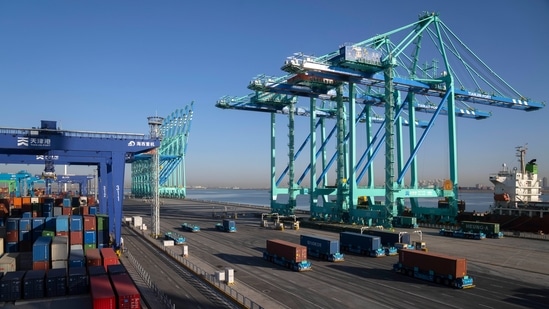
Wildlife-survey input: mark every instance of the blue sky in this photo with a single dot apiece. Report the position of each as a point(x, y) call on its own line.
point(108, 65)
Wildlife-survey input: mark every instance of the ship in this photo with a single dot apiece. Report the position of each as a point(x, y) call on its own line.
point(518, 204)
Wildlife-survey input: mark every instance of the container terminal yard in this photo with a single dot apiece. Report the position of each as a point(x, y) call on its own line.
point(192, 254)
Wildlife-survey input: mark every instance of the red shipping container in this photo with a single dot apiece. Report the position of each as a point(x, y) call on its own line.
point(62, 233)
point(76, 238)
point(12, 236)
point(41, 265)
point(441, 264)
point(84, 210)
point(102, 293)
point(66, 211)
point(287, 250)
point(127, 295)
point(89, 222)
point(93, 257)
point(109, 257)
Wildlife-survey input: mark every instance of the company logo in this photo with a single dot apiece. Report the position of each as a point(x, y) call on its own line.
point(140, 144)
point(43, 157)
point(22, 141)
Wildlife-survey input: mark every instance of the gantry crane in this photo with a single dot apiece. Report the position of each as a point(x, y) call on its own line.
point(109, 151)
point(382, 72)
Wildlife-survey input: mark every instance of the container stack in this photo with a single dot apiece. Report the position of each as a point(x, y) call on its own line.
point(77, 281)
point(90, 234)
point(25, 233)
point(67, 207)
point(41, 253)
point(109, 257)
point(103, 237)
point(34, 284)
point(76, 225)
point(59, 252)
point(38, 226)
point(47, 208)
point(11, 286)
point(12, 235)
point(56, 282)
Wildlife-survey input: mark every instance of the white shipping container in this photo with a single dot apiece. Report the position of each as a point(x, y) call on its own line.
point(128, 220)
point(8, 262)
point(137, 221)
point(168, 243)
point(1, 246)
point(229, 275)
point(185, 250)
point(220, 275)
point(144, 227)
point(59, 264)
point(59, 248)
point(35, 200)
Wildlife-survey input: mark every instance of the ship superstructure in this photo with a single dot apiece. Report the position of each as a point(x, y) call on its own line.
point(518, 191)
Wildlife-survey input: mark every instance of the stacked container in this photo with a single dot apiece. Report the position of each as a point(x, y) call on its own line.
point(76, 225)
point(25, 233)
point(102, 230)
point(127, 295)
point(77, 257)
point(102, 293)
point(11, 286)
point(41, 253)
point(62, 226)
point(93, 257)
point(34, 284)
point(77, 281)
point(47, 209)
point(109, 257)
point(90, 234)
point(38, 226)
point(96, 271)
point(12, 235)
point(8, 262)
point(116, 269)
point(56, 282)
point(59, 252)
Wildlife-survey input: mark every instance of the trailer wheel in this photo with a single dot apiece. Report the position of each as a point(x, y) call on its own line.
point(446, 281)
point(437, 280)
point(410, 273)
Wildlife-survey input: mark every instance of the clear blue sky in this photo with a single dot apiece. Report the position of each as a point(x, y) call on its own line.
point(108, 65)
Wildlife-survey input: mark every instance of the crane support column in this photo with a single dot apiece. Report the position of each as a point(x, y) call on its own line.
point(389, 140)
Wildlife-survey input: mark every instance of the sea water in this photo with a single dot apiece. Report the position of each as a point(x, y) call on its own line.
point(479, 201)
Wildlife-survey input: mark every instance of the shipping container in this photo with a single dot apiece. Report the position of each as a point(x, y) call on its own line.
point(77, 258)
point(60, 264)
point(289, 251)
point(361, 243)
point(38, 223)
point(62, 223)
point(11, 286)
point(59, 248)
point(436, 267)
point(102, 222)
point(76, 238)
point(127, 295)
point(229, 225)
point(323, 248)
point(34, 284)
point(137, 221)
point(25, 224)
point(93, 258)
point(90, 237)
point(56, 282)
point(12, 224)
point(388, 238)
point(90, 224)
point(76, 223)
point(102, 293)
point(8, 262)
point(41, 249)
point(41, 265)
point(109, 257)
point(12, 235)
point(96, 270)
point(490, 229)
point(50, 224)
point(77, 281)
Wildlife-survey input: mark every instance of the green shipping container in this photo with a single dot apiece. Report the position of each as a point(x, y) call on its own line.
point(102, 222)
point(89, 246)
point(488, 228)
point(48, 233)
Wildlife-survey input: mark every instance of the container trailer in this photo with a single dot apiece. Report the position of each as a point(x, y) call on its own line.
point(434, 267)
point(490, 229)
point(177, 239)
point(323, 248)
point(361, 243)
point(190, 227)
point(226, 226)
point(462, 234)
point(287, 254)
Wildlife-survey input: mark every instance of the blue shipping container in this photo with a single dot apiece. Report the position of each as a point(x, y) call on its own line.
point(76, 223)
point(324, 245)
point(34, 284)
point(92, 210)
point(12, 224)
point(25, 235)
point(12, 247)
point(41, 249)
point(50, 223)
point(77, 258)
point(77, 281)
point(38, 223)
point(25, 224)
point(11, 286)
point(363, 241)
point(62, 224)
point(56, 282)
point(26, 214)
point(66, 202)
point(89, 237)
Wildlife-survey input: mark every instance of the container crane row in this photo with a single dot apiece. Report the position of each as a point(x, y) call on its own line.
point(391, 72)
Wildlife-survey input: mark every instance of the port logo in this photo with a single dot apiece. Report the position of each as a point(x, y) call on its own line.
point(22, 141)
